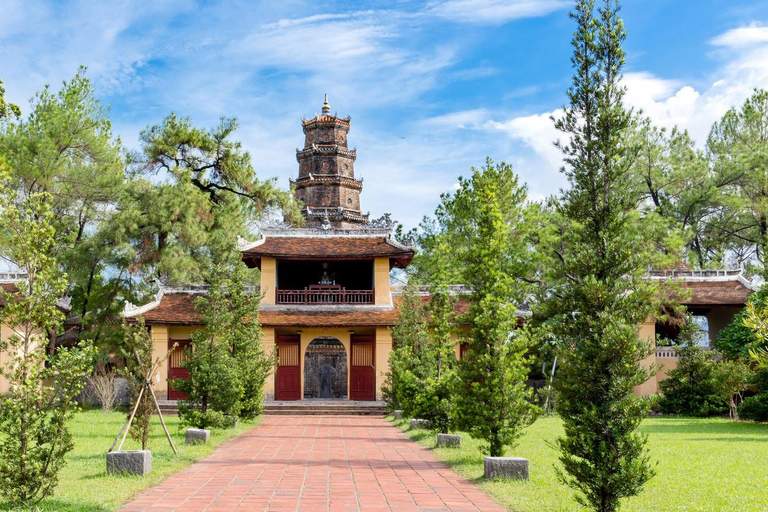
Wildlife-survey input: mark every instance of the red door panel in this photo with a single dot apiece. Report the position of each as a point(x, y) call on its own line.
point(288, 375)
point(362, 371)
point(175, 369)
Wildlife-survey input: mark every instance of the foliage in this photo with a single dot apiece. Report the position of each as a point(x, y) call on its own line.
point(754, 408)
point(7, 109)
point(34, 437)
point(137, 340)
point(208, 194)
point(241, 331)
point(65, 148)
point(692, 388)
point(732, 378)
point(677, 183)
point(598, 261)
point(103, 387)
point(408, 366)
point(738, 144)
point(737, 338)
point(484, 216)
point(226, 361)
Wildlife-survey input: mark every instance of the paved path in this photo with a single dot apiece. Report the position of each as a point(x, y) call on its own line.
point(317, 463)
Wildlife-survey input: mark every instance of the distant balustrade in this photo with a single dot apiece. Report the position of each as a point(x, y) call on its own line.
point(324, 295)
point(666, 352)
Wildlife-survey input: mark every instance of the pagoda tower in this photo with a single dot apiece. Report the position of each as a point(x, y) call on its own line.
point(326, 183)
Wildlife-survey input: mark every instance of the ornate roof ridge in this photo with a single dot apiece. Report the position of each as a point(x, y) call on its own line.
point(703, 276)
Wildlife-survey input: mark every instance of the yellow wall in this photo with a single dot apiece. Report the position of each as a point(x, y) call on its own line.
point(383, 348)
point(268, 280)
point(5, 334)
point(381, 282)
point(160, 379)
point(648, 334)
point(268, 340)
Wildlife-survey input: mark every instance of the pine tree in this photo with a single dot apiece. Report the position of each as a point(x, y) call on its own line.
point(485, 218)
point(599, 294)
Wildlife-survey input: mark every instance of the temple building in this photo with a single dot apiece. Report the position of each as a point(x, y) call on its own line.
point(327, 302)
point(328, 305)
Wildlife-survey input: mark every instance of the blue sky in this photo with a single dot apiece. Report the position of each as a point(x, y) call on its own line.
point(432, 87)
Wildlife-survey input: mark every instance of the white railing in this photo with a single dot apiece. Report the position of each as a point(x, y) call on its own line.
point(666, 352)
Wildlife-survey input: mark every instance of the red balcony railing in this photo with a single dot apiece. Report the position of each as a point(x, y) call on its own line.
point(323, 295)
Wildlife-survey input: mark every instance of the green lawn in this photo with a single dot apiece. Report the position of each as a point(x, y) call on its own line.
point(84, 485)
point(703, 464)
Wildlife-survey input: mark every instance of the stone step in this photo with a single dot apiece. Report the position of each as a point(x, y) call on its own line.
point(171, 407)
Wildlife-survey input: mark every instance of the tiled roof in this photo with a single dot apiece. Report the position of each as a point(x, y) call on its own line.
point(717, 293)
point(328, 248)
point(178, 308)
point(710, 287)
point(9, 288)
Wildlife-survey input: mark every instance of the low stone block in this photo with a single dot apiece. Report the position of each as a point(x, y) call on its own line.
point(133, 462)
point(398, 414)
point(448, 440)
point(197, 436)
point(507, 468)
point(420, 423)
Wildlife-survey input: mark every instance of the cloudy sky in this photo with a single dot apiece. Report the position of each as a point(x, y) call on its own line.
point(432, 87)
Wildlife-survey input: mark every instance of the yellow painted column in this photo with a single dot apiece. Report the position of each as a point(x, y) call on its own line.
point(160, 380)
point(268, 341)
point(268, 280)
point(383, 348)
point(647, 333)
point(383, 297)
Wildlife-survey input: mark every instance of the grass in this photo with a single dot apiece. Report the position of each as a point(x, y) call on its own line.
point(703, 464)
point(84, 485)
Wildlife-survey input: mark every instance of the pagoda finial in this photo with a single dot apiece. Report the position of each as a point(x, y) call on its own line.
point(326, 106)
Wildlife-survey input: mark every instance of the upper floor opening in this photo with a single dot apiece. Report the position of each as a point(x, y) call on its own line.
point(325, 282)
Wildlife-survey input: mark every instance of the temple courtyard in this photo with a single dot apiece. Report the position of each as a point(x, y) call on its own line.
point(313, 463)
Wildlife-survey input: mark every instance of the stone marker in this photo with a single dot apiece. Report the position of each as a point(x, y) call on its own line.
point(398, 414)
point(197, 436)
point(420, 424)
point(448, 440)
point(508, 468)
point(134, 462)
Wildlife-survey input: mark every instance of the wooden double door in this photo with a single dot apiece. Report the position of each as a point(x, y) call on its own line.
point(288, 374)
point(362, 368)
point(176, 369)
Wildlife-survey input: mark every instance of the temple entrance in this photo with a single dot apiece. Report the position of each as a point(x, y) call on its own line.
point(362, 376)
point(287, 376)
point(325, 369)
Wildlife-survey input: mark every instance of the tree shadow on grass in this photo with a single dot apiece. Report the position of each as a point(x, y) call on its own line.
point(58, 505)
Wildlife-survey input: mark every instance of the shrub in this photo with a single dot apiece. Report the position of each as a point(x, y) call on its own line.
point(736, 339)
point(754, 408)
point(692, 388)
point(103, 386)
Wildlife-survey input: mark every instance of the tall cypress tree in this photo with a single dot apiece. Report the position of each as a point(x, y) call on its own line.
point(600, 295)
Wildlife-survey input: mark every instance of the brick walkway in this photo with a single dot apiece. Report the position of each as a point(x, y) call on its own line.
point(314, 463)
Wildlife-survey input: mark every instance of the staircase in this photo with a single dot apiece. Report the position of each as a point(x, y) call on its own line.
point(168, 407)
point(325, 407)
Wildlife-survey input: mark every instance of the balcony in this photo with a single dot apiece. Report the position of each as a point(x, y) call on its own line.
point(324, 295)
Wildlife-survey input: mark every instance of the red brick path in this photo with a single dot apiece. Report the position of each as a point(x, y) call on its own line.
point(317, 463)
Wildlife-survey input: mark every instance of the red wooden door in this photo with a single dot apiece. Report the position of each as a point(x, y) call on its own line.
point(175, 369)
point(362, 371)
point(288, 375)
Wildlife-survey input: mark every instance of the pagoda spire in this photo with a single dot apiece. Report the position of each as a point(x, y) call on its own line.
point(326, 106)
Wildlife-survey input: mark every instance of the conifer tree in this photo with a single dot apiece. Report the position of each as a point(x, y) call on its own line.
point(485, 219)
point(600, 295)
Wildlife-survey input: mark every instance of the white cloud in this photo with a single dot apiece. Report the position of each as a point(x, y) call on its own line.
point(495, 12)
point(743, 36)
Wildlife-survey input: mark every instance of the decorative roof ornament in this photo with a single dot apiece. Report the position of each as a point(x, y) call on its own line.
point(326, 106)
point(326, 225)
